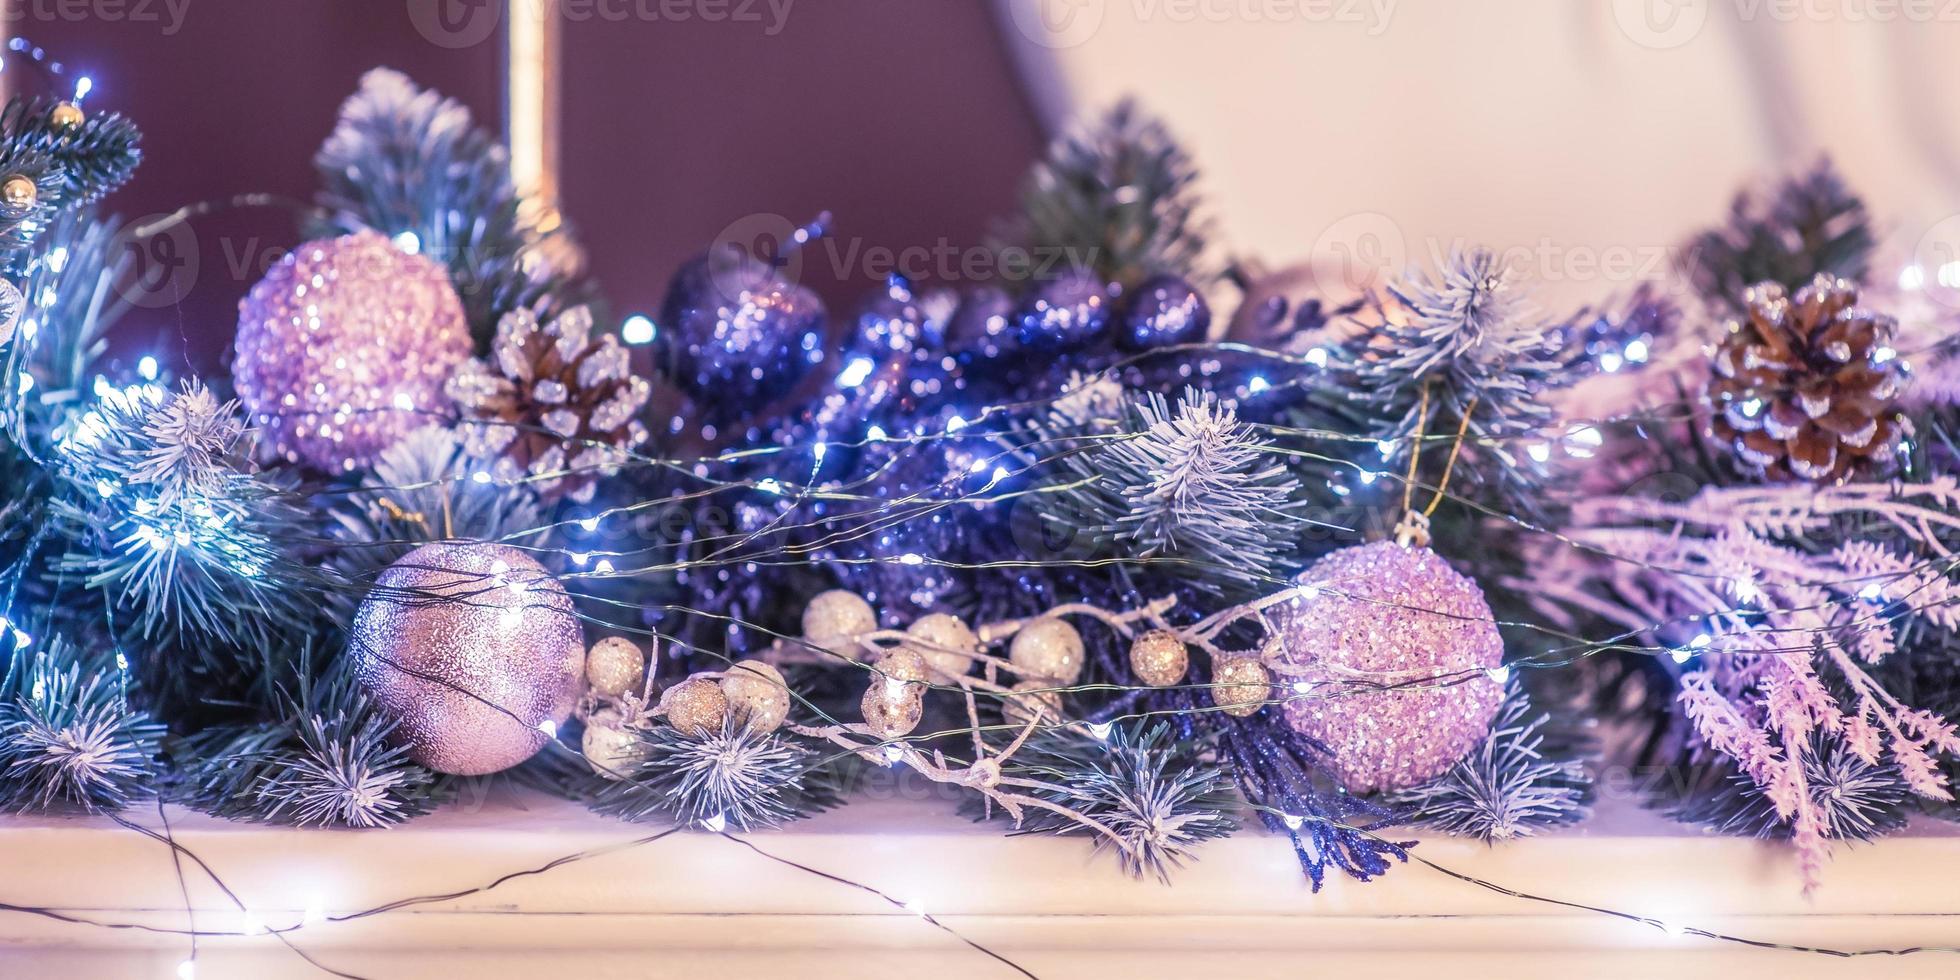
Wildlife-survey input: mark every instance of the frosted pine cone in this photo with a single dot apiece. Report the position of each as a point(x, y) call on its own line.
point(552, 404)
point(1803, 386)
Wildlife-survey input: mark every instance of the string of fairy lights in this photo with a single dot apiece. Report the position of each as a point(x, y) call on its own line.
point(1570, 649)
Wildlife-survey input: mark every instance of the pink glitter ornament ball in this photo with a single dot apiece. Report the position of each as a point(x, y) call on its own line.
point(343, 348)
point(473, 650)
point(1386, 614)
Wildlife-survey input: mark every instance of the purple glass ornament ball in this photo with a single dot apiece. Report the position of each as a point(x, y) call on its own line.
point(1388, 615)
point(471, 649)
point(1162, 311)
point(1069, 310)
point(736, 334)
point(343, 348)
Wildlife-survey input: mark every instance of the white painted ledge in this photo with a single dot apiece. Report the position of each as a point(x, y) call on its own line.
point(694, 905)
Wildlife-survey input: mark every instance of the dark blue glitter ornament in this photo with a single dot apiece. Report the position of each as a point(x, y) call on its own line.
point(983, 324)
point(890, 322)
point(736, 334)
point(1162, 311)
point(1070, 310)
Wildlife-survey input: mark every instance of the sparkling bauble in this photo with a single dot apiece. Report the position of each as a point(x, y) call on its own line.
point(66, 115)
point(1162, 311)
point(983, 325)
point(1386, 615)
point(736, 334)
point(757, 695)
point(903, 665)
point(948, 645)
point(890, 322)
point(611, 751)
point(1240, 686)
point(1032, 701)
point(18, 191)
point(614, 666)
point(1067, 311)
point(892, 710)
point(1047, 649)
point(695, 706)
point(473, 650)
point(343, 348)
point(1159, 658)
point(834, 619)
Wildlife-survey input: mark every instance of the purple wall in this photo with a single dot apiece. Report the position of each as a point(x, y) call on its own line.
point(900, 116)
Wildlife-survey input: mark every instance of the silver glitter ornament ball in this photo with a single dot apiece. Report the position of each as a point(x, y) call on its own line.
point(471, 649)
point(1389, 615)
point(615, 666)
point(833, 619)
point(948, 645)
point(343, 348)
point(1048, 649)
point(757, 694)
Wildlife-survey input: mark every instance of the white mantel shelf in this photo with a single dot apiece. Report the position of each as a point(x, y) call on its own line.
point(695, 905)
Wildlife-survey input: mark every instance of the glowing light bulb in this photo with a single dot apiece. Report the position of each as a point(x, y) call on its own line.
point(715, 824)
point(1499, 674)
point(590, 523)
point(1257, 385)
point(409, 242)
point(637, 330)
point(855, 372)
point(147, 367)
point(549, 728)
point(1293, 821)
point(1100, 730)
point(910, 559)
point(187, 970)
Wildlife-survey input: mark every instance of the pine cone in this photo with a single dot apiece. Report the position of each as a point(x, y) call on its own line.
point(1803, 387)
point(552, 405)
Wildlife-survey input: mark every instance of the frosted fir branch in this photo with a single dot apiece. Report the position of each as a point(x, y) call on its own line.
point(1807, 224)
point(1090, 403)
point(1196, 475)
point(1857, 799)
point(95, 157)
point(68, 735)
point(322, 757)
point(1153, 792)
point(1463, 342)
point(345, 772)
point(1526, 776)
point(736, 777)
point(167, 516)
point(1119, 195)
point(1190, 483)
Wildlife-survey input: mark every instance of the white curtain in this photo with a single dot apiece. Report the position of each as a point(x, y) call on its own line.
point(1588, 135)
